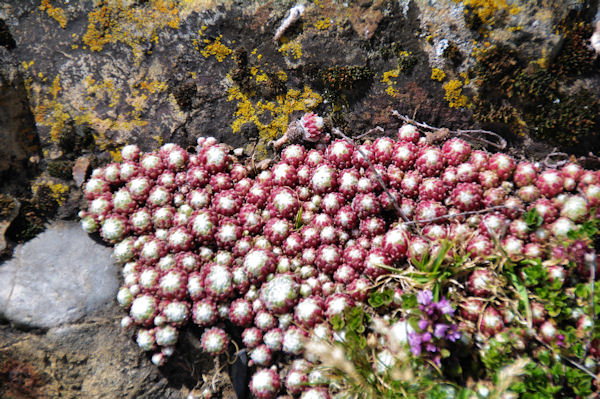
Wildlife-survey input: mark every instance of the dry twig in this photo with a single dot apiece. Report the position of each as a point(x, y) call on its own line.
point(486, 210)
point(500, 143)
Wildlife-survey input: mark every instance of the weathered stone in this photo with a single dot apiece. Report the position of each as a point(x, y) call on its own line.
point(18, 136)
point(94, 359)
point(56, 278)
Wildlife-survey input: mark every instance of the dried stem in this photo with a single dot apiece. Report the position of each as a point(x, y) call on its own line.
point(368, 132)
point(573, 362)
point(593, 318)
point(338, 132)
point(490, 209)
point(555, 164)
point(500, 143)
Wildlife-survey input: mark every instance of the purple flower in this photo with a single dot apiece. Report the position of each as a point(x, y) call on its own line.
point(423, 324)
point(440, 329)
point(426, 337)
point(414, 339)
point(431, 348)
point(454, 334)
point(444, 306)
point(425, 297)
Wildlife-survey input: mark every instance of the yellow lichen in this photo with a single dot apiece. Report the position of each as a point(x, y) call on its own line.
point(248, 110)
point(216, 48)
point(487, 10)
point(114, 21)
point(282, 76)
point(438, 74)
point(291, 48)
point(159, 139)
point(105, 91)
point(454, 94)
point(58, 191)
point(56, 13)
point(388, 79)
point(27, 65)
point(116, 154)
point(50, 111)
point(323, 24)
point(55, 87)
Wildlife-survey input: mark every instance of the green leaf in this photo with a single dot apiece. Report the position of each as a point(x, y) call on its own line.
point(381, 298)
point(299, 219)
point(436, 292)
point(544, 357)
point(354, 319)
point(409, 301)
point(522, 291)
point(337, 322)
point(582, 290)
point(465, 393)
point(439, 259)
point(533, 219)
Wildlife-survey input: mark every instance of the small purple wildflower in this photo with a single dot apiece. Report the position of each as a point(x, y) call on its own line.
point(444, 306)
point(425, 297)
point(439, 330)
point(435, 327)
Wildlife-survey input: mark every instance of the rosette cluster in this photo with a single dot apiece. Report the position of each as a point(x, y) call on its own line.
point(204, 240)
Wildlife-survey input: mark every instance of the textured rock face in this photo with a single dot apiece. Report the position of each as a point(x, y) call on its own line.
point(18, 136)
point(91, 360)
point(56, 278)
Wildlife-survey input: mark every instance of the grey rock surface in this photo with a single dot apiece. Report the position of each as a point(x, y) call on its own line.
point(56, 278)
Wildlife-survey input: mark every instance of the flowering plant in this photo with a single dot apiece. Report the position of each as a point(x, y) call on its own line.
point(435, 328)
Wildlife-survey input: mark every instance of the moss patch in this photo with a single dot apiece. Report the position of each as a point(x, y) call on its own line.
point(535, 99)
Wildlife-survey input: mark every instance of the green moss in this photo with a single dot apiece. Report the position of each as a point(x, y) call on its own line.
point(33, 215)
point(268, 84)
point(74, 139)
point(452, 54)
point(61, 169)
point(497, 68)
point(391, 51)
point(576, 56)
point(572, 120)
point(343, 84)
point(406, 62)
point(531, 99)
point(7, 205)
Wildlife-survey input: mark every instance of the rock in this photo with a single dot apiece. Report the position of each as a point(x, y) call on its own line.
point(9, 208)
point(94, 359)
point(56, 278)
point(18, 135)
point(528, 26)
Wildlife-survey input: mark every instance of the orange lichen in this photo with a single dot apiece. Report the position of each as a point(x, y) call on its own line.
point(56, 13)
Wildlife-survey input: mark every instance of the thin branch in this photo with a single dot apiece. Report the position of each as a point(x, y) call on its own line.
point(555, 164)
point(467, 133)
point(500, 143)
point(592, 284)
point(368, 132)
point(338, 132)
point(573, 362)
point(490, 209)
